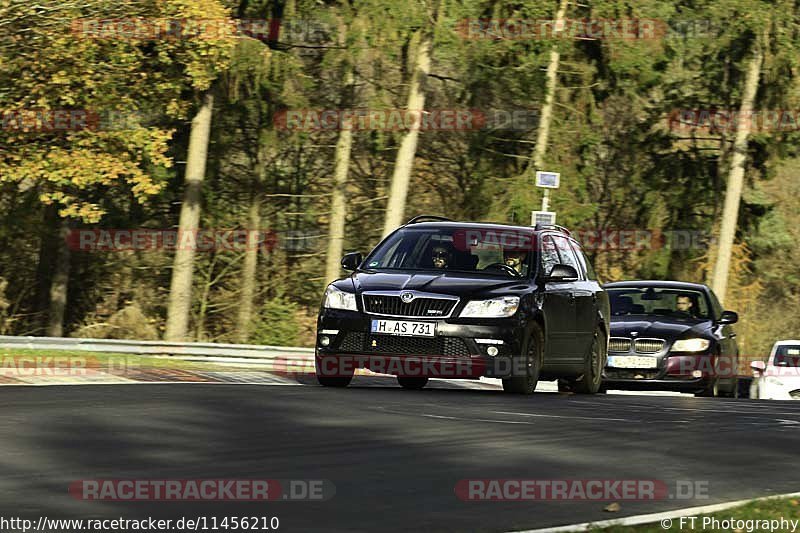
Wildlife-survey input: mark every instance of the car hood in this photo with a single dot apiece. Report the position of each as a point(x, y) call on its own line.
point(452, 283)
point(658, 326)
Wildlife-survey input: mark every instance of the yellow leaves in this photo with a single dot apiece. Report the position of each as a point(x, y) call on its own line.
point(87, 212)
point(105, 161)
point(60, 78)
point(117, 78)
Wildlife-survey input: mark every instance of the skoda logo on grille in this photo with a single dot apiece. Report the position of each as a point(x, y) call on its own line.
point(406, 297)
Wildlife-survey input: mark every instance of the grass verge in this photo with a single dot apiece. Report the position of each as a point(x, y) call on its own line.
point(761, 515)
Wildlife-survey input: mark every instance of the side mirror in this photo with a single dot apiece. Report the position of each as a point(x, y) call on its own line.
point(728, 317)
point(758, 367)
point(563, 273)
point(351, 261)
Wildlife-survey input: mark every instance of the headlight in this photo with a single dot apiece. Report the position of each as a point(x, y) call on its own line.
point(494, 308)
point(336, 299)
point(691, 345)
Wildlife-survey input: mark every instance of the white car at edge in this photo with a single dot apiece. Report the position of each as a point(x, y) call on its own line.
point(779, 377)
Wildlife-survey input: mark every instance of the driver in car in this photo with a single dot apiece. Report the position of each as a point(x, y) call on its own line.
point(514, 259)
point(684, 306)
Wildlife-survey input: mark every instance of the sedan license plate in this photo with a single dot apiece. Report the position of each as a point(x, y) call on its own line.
point(404, 327)
point(631, 361)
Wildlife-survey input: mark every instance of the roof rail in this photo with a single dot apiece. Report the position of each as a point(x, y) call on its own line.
point(556, 227)
point(421, 218)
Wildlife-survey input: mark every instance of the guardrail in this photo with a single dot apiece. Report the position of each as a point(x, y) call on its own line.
point(184, 349)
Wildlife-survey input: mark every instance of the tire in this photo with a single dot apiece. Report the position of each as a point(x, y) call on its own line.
point(734, 392)
point(412, 383)
point(711, 390)
point(526, 384)
point(339, 381)
point(592, 378)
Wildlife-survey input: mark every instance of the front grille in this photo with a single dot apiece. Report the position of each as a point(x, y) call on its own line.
point(614, 373)
point(352, 342)
point(418, 307)
point(619, 345)
point(648, 345)
point(396, 345)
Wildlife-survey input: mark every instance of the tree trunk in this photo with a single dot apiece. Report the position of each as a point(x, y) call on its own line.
point(58, 287)
point(48, 246)
point(180, 292)
point(244, 317)
point(338, 199)
point(551, 78)
point(733, 194)
point(395, 208)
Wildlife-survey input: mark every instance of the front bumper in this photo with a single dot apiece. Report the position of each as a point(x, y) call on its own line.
point(669, 384)
point(460, 348)
point(675, 372)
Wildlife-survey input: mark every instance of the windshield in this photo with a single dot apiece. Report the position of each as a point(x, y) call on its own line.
point(678, 303)
point(787, 356)
point(453, 249)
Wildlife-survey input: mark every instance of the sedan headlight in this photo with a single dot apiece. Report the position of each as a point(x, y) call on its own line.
point(493, 308)
point(691, 345)
point(337, 299)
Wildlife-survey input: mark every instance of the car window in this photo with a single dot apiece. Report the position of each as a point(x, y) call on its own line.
point(716, 307)
point(787, 356)
point(549, 255)
point(566, 255)
point(677, 303)
point(490, 252)
point(588, 270)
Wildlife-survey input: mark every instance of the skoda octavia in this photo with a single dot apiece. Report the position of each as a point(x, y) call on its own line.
point(447, 299)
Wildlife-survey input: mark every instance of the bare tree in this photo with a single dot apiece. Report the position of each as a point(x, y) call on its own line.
point(58, 287)
point(733, 194)
point(344, 146)
point(551, 79)
point(180, 292)
point(404, 162)
point(244, 317)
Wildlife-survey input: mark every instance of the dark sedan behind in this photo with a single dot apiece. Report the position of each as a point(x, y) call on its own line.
point(669, 335)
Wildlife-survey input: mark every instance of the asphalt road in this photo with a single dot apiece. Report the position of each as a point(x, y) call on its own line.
point(394, 456)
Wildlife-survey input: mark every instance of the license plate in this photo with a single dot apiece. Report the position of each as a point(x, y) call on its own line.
point(404, 327)
point(632, 361)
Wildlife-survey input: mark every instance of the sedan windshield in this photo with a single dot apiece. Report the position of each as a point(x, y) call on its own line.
point(498, 253)
point(677, 303)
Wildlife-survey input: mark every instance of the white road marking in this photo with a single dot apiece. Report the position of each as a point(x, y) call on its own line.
point(477, 419)
point(656, 517)
point(565, 416)
point(760, 411)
